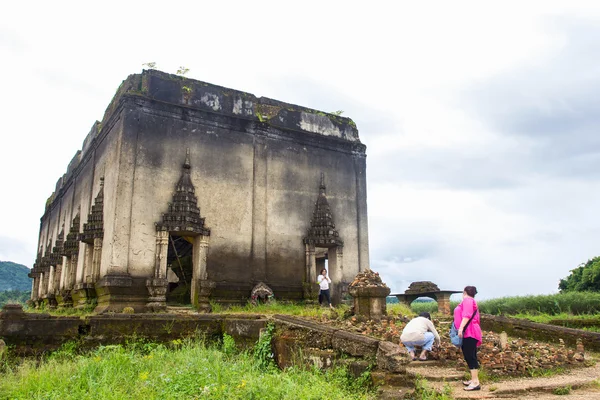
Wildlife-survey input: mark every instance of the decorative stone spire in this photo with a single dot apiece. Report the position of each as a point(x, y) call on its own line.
point(183, 215)
point(57, 250)
point(94, 228)
point(322, 232)
point(45, 263)
point(71, 246)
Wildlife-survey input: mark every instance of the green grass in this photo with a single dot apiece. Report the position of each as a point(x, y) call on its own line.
point(181, 370)
point(279, 307)
point(400, 309)
point(424, 391)
point(68, 311)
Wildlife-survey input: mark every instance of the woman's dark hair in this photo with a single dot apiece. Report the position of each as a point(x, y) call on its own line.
point(425, 315)
point(322, 271)
point(471, 290)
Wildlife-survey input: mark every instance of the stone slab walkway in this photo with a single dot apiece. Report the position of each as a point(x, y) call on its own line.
point(580, 380)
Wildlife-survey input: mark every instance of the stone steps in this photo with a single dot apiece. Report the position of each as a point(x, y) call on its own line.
point(181, 310)
point(582, 378)
point(433, 371)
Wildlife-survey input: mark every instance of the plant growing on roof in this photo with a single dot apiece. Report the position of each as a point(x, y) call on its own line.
point(182, 71)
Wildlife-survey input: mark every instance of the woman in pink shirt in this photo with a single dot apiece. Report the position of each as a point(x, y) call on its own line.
point(466, 319)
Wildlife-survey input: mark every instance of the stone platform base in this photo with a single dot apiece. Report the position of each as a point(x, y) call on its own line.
point(117, 291)
point(82, 295)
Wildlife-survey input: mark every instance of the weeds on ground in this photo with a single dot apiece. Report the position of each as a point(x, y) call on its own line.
point(562, 391)
point(425, 392)
point(178, 370)
point(545, 372)
point(87, 310)
point(279, 307)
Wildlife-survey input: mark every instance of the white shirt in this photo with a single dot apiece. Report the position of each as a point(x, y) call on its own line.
point(323, 282)
point(416, 328)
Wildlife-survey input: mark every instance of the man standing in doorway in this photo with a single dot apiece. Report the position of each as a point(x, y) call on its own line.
point(324, 293)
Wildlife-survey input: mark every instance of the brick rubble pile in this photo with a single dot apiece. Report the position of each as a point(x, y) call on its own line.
point(367, 278)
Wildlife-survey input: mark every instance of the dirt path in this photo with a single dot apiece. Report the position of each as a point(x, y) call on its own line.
point(584, 383)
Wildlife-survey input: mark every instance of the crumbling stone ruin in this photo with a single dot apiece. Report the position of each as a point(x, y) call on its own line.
point(369, 293)
point(249, 189)
point(422, 287)
point(427, 289)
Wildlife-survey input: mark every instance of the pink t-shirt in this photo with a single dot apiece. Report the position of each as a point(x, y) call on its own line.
point(465, 310)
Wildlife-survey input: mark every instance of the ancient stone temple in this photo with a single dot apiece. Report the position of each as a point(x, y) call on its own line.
point(191, 192)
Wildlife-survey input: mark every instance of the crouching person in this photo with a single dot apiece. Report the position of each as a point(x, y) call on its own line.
point(420, 332)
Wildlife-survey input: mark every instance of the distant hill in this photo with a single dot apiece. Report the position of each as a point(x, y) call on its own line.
point(13, 276)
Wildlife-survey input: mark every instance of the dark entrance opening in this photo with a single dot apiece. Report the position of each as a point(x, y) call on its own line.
point(179, 269)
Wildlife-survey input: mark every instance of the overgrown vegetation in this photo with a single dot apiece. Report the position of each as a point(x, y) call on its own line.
point(584, 278)
point(279, 307)
point(179, 370)
point(425, 392)
point(88, 309)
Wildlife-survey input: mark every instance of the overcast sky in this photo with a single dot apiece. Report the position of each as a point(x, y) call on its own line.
point(481, 121)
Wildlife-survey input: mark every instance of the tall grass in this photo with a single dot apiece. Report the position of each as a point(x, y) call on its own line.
point(183, 370)
point(570, 303)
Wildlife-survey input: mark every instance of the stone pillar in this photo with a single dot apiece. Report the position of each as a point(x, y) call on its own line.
point(35, 285)
point(41, 285)
point(63, 294)
point(81, 261)
point(336, 273)
point(370, 302)
point(443, 300)
point(49, 292)
point(310, 286)
point(63, 274)
point(72, 272)
point(200, 288)
point(162, 249)
point(205, 288)
point(158, 284)
point(51, 280)
point(84, 291)
point(96, 257)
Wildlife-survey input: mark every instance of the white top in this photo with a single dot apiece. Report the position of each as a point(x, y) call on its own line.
point(324, 282)
point(416, 328)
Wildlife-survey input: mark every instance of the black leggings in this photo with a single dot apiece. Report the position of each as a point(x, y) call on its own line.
point(324, 295)
point(469, 349)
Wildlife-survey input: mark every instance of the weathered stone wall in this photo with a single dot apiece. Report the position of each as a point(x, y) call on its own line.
point(544, 332)
point(35, 333)
point(255, 165)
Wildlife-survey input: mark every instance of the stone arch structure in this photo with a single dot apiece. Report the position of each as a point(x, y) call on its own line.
point(322, 234)
point(427, 289)
point(182, 219)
